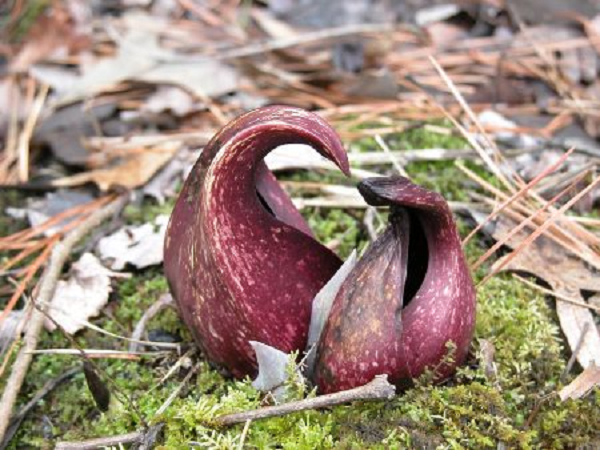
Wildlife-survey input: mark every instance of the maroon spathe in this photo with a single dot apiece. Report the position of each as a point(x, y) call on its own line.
point(369, 332)
point(237, 272)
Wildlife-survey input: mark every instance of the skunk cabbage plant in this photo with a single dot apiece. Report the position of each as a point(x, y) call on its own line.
point(240, 260)
point(244, 267)
point(408, 296)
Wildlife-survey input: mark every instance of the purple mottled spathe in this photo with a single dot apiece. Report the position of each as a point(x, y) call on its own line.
point(238, 271)
point(370, 330)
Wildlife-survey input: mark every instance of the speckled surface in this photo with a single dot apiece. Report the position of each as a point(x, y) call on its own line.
point(237, 272)
point(369, 332)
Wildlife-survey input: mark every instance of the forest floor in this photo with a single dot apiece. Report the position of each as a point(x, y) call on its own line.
point(101, 134)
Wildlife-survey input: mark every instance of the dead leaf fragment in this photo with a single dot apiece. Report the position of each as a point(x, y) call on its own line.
point(321, 308)
point(140, 246)
point(82, 296)
point(97, 387)
point(133, 171)
point(169, 98)
point(10, 327)
point(580, 386)
point(163, 184)
point(140, 58)
point(488, 354)
point(272, 367)
point(272, 370)
point(39, 210)
point(51, 35)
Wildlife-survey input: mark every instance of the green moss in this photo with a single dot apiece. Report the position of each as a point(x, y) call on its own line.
point(338, 228)
point(147, 212)
point(468, 412)
point(10, 199)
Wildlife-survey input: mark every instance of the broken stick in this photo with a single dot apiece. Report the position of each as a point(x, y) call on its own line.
point(378, 389)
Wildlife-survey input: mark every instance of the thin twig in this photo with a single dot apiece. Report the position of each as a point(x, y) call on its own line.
point(182, 360)
point(573, 357)
point(111, 441)
point(163, 301)
point(47, 286)
point(176, 392)
point(397, 161)
point(378, 389)
point(556, 295)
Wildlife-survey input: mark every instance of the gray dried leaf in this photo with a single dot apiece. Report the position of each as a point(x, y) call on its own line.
point(40, 210)
point(435, 13)
point(162, 185)
point(141, 58)
point(169, 98)
point(272, 367)
point(140, 246)
point(9, 328)
point(322, 306)
point(272, 370)
point(82, 296)
point(59, 78)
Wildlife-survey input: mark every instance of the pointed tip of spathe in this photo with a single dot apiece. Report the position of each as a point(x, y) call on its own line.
point(343, 163)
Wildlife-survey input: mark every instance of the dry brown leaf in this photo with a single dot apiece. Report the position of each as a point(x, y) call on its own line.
point(580, 386)
point(133, 171)
point(52, 34)
point(567, 275)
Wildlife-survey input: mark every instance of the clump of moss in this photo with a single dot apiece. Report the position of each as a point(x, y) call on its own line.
point(340, 229)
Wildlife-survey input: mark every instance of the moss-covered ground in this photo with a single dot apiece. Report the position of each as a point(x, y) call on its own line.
point(517, 409)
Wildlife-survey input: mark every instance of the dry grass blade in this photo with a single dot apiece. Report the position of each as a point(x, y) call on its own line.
point(180, 362)
point(25, 235)
point(97, 353)
point(492, 165)
point(397, 162)
point(25, 241)
point(561, 235)
point(529, 221)
point(29, 250)
point(176, 392)
point(538, 232)
point(556, 295)
point(520, 193)
point(25, 137)
point(171, 345)
point(32, 270)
